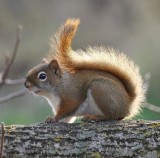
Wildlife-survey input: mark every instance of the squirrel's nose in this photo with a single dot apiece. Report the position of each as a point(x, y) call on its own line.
point(27, 84)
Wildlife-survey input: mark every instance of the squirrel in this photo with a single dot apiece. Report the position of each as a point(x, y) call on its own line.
point(98, 84)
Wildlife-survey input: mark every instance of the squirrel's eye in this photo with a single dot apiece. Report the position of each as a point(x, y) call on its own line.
point(42, 76)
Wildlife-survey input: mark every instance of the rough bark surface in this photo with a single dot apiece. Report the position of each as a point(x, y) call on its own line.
point(95, 139)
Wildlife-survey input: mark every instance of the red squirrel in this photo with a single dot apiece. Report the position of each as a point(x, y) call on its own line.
point(98, 83)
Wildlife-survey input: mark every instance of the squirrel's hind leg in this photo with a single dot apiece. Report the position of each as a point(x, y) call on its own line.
point(110, 99)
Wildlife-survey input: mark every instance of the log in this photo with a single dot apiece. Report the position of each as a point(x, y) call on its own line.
point(108, 139)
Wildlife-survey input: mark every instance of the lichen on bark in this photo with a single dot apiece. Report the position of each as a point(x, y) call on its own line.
point(140, 139)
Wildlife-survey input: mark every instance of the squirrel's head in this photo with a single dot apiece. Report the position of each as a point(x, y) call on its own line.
point(44, 77)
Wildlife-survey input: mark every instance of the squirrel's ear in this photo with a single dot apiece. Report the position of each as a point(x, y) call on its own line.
point(53, 65)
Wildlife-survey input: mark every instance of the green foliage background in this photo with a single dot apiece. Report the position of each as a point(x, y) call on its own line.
point(130, 26)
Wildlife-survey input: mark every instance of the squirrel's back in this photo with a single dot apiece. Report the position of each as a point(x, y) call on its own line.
point(98, 58)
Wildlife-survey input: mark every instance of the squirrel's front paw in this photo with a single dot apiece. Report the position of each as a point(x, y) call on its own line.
point(87, 119)
point(50, 119)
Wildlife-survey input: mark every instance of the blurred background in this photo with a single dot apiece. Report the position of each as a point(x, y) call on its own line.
point(132, 27)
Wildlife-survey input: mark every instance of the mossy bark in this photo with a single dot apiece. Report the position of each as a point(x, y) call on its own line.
point(95, 139)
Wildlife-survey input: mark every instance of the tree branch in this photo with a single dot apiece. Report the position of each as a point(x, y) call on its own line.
point(98, 139)
point(146, 83)
point(13, 95)
point(2, 139)
point(14, 81)
point(10, 61)
point(149, 106)
point(152, 107)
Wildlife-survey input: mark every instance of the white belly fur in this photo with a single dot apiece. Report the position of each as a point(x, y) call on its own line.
point(88, 107)
point(54, 102)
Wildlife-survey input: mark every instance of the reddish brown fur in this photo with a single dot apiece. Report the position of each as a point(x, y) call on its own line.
point(65, 35)
point(67, 108)
point(107, 83)
point(127, 72)
point(63, 49)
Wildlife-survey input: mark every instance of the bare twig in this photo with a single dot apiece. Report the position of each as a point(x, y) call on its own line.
point(13, 95)
point(2, 139)
point(14, 81)
point(10, 62)
point(149, 106)
point(147, 78)
point(7, 57)
point(152, 107)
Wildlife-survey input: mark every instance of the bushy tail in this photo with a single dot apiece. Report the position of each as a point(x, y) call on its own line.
point(98, 58)
point(61, 42)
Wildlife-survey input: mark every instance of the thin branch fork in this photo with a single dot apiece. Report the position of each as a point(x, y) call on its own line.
point(10, 61)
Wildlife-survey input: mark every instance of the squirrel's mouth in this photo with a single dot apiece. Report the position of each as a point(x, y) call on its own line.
point(34, 90)
point(37, 91)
